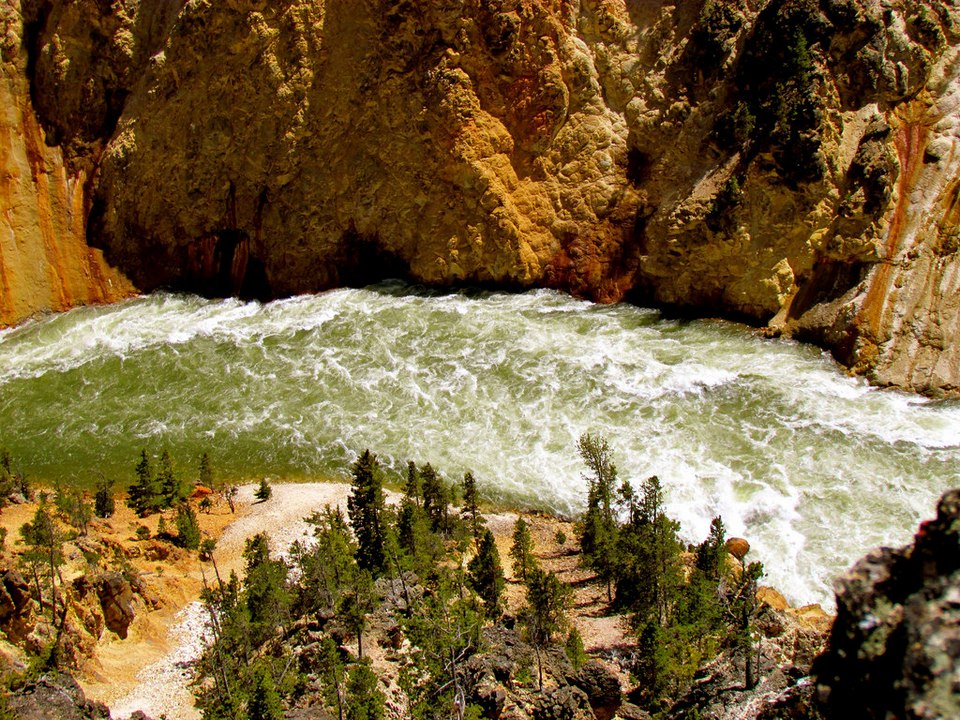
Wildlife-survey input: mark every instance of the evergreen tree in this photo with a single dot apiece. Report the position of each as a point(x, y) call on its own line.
point(436, 499)
point(265, 592)
point(521, 551)
point(44, 554)
point(144, 495)
point(471, 506)
point(486, 574)
point(743, 609)
point(545, 613)
point(265, 702)
point(206, 471)
point(188, 530)
point(365, 507)
point(172, 491)
point(263, 493)
point(413, 488)
point(358, 602)
point(574, 649)
point(598, 531)
point(365, 701)
point(104, 504)
point(712, 552)
point(329, 567)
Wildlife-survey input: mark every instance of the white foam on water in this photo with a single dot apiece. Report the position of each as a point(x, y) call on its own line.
point(813, 467)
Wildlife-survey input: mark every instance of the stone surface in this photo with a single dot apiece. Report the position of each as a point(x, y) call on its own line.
point(794, 163)
point(738, 547)
point(45, 262)
point(895, 646)
point(116, 599)
point(54, 696)
point(602, 688)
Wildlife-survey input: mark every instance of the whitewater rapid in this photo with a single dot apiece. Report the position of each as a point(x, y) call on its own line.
point(812, 466)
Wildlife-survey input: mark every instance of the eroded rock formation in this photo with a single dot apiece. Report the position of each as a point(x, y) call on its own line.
point(792, 162)
point(45, 262)
point(895, 646)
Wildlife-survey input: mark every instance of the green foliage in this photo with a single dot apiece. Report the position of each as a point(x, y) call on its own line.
point(359, 600)
point(365, 701)
point(366, 506)
point(207, 546)
point(142, 532)
point(172, 490)
point(74, 507)
point(521, 551)
point(206, 472)
point(598, 531)
point(326, 569)
point(547, 602)
point(104, 504)
point(574, 649)
point(43, 556)
point(266, 596)
point(471, 506)
point(263, 493)
point(560, 537)
point(486, 574)
point(436, 499)
point(265, 702)
point(444, 632)
point(188, 530)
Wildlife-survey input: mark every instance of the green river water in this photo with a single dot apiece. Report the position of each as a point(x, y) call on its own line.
point(812, 466)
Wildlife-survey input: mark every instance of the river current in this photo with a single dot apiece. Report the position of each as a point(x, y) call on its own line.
point(813, 467)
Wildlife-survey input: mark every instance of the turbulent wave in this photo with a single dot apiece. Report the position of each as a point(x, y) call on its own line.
point(812, 466)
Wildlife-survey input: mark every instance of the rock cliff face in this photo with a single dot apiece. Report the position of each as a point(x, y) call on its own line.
point(895, 646)
point(45, 262)
point(792, 162)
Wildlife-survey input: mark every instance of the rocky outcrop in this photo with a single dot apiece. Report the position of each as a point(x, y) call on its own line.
point(116, 599)
point(792, 162)
point(895, 646)
point(45, 262)
point(54, 696)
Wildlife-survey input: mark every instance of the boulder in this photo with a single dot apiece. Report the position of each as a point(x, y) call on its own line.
point(54, 696)
point(602, 688)
point(895, 646)
point(738, 547)
point(563, 703)
point(116, 599)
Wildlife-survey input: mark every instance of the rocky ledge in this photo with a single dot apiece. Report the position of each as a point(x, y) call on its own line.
point(794, 163)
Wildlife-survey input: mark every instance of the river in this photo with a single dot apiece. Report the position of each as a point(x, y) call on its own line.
point(812, 466)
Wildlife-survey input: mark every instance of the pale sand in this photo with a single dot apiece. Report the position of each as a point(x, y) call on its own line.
point(163, 686)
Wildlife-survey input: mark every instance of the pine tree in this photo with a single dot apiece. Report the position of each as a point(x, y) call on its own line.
point(365, 701)
point(598, 531)
point(413, 488)
point(172, 491)
point(265, 702)
point(712, 552)
point(486, 574)
point(188, 530)
point(266, 596)
point(436, 499)
point(44, 554)
point(144, 496)
point(206, 472)
point(263, 493)
point(574, 649)
point(546, 611)
point(471, 506)
point(365, 507)
point(358, 602)
point(521, 551)
point(104, 504)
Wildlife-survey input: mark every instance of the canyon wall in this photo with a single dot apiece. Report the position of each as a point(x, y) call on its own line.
point(794, 163)
point(45, 262)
